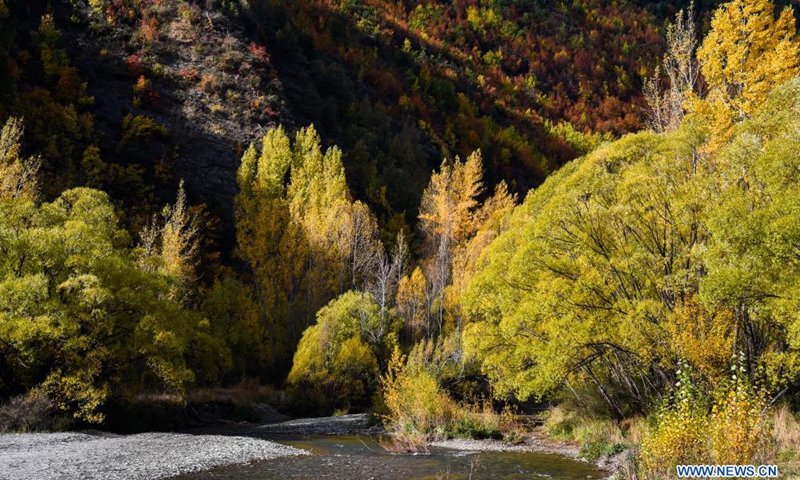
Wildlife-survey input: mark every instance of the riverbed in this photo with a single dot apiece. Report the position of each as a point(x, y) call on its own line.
point(357, 457)
point(347, 447)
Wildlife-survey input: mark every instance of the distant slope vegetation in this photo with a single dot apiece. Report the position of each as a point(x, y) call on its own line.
point(131, 95)
point(399, 84)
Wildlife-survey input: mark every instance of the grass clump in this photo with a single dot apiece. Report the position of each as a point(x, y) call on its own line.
point(592, 450)
point(566, 424)
point(479, 420)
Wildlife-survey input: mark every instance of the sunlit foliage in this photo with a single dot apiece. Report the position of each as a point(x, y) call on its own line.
point(655, 248)
point(336, 363)
point(77, 313)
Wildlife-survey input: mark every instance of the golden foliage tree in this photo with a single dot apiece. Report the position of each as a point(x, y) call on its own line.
point(747, 53)
point(171, 245)
point(302, 235)
point(447, 220)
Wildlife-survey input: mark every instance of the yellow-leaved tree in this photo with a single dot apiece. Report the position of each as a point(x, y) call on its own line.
point(447, 221)
point(300, 232)
point(747, 53)
point(171, 245)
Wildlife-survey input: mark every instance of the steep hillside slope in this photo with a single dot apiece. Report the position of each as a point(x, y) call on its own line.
point(164, 90)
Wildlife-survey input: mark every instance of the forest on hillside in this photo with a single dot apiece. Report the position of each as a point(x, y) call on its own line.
point(441, 213)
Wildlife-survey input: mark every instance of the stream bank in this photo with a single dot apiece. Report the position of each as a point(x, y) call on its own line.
point(343, 447)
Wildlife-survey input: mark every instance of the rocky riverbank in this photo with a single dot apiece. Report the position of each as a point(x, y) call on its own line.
point(146, 456)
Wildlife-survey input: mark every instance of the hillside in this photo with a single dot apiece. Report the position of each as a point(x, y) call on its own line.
point(389, 84)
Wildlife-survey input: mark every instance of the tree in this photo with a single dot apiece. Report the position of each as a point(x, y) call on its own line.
point(79, 317)
point(752, 256)
point(635, 256)
point(490, 220)
point(304, 238)
point(171, 245)
point(747, 53)
point(667, 108)
point(578, 287)
point(446, 222)
point(273, 246)
point(411, 304)
point(382, 284)
point(336, 363)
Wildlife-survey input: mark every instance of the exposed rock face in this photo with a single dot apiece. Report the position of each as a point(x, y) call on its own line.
point(195, 72)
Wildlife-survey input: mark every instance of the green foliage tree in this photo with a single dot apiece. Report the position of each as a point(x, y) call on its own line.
point(336, 363)
point(605, 261)
point(77, 313)
point(606, 265)
point(82, 316)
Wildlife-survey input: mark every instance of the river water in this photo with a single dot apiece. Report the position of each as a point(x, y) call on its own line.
point(361, 457)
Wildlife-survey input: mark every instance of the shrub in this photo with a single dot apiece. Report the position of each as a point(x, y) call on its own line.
point(415, 402)
point(149, 29)
point(593, 450)
point(740, 430)
point(419, 409)
point(735, 430)
point(680, 433)
point(259, 53)
point(138, 128)
point(473, 426)
point(33, 411)
point(135, 65)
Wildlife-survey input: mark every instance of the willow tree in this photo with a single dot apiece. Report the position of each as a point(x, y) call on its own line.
point(753, 256)
point(579, 286)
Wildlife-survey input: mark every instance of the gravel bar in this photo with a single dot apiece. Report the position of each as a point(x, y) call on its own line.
point(146, 456)
point(353, 424)
point(532, 444)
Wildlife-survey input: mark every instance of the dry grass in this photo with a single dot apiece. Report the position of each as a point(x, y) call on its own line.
point(568, 425)
point(401, 443)
point(786, 429)
point(248, 392)
point(31, 412)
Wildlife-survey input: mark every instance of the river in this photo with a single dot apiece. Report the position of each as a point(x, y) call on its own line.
point(356, 457)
